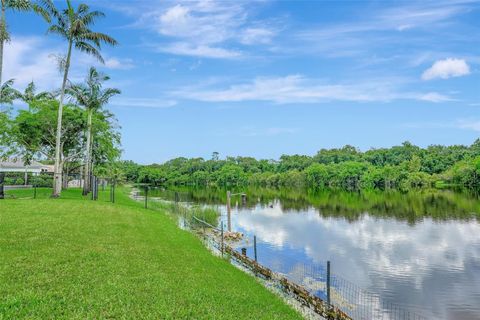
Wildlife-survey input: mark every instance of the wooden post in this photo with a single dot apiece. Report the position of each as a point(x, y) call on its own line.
point(222, 239)
point(255, 247)
point(34, 190)
point(229, 212)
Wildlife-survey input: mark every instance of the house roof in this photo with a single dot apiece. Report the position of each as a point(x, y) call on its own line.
point(20, 164)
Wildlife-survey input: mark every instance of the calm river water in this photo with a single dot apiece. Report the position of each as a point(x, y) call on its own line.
point(419, 250)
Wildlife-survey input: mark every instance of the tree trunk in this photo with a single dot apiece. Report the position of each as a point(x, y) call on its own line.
point(3, 24)
point(88, 154)
point(57, 180)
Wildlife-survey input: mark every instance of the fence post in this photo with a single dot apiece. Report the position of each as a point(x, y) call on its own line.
point(222, 238)
point(328, 283)
point(34, 190)
point(146, 197)
point(96, 189)
point(92, 187)
point(176, 196)
point(113, 194)
point(255, 247)
point(2, 179)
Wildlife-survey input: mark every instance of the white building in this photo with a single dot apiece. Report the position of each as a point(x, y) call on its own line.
point(16, 165)
point(19, 166)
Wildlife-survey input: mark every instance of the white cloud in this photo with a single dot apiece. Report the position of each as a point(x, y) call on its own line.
point(378, 29)
point(205, 51)
point(447, 68)
point(206, 28)
point(469, 125)
point(252, 36)
point(121, 64)
point(143, 102)
point(298, 89)
point(28, 59)
point(435, 97)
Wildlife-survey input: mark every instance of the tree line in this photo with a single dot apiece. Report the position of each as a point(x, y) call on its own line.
point(67, 127)
point(400, 167)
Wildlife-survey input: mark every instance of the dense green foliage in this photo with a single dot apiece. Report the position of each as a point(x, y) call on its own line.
point(75, 259)
point(438, 204)
point(401, 167)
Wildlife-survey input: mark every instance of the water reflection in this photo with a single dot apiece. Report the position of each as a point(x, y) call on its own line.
point(420, 250)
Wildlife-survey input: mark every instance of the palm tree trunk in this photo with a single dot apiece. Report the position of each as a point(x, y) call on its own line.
point(88, 154)
point(57, 181)
point(3, 25)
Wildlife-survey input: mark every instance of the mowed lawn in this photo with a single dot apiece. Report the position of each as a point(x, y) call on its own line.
point(73, 258)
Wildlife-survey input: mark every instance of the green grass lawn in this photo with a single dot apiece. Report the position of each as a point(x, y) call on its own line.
point(76, 258)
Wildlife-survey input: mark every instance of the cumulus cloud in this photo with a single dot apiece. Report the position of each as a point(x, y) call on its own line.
point(447, 68)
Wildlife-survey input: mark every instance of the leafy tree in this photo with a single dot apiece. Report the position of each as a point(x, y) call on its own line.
point(73, 25)
point(92, 97)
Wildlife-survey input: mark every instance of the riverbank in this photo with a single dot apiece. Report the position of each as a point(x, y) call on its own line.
point(73, 258)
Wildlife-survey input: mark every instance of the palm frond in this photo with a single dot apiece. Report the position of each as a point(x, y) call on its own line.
point(57, 29)
point(19, 5)
point(100, 38)
point(89, 49)
point(89, 18)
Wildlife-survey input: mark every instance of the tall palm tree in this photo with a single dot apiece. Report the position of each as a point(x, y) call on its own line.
point(92, 97)
point(73, 25)
point(30, 94)
point(14, 5)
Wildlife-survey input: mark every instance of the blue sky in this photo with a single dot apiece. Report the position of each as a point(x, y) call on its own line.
point(265, 78)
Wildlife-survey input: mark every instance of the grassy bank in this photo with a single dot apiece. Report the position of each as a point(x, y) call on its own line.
point(74, 258)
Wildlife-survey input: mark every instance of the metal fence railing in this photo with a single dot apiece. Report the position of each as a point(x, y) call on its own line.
point(318, 280)
point(15, 186)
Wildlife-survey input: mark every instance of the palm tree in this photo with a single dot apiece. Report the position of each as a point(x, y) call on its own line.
point(14, 5)
point(30, 94)
point(73, 25)
point(92, 97)
point(7, 93)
